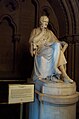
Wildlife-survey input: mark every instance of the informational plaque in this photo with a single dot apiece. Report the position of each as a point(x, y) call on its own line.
point(21, 93)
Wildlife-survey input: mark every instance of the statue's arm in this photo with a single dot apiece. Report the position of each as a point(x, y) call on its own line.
point(35, 40)
point(32, 36)
point(64, 46)
point(53, 37)
point(31, 42)
point(36, 35)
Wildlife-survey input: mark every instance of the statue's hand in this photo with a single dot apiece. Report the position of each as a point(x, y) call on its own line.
point(34, 52)
point(63, 43)
point(64, 46)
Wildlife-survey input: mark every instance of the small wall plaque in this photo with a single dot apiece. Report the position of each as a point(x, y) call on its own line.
point(21, 93)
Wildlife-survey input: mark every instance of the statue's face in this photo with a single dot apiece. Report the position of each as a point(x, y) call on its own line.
point(44, 22)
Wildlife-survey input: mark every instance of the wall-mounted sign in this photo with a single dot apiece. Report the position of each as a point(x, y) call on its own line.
point(21, 93)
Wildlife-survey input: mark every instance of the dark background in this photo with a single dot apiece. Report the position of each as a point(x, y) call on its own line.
point(17, 19)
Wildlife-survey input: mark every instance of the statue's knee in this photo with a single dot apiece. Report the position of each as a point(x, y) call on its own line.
point(57, 45)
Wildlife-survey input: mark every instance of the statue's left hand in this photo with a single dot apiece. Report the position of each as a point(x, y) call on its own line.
point(63, 43)
point(64, 46)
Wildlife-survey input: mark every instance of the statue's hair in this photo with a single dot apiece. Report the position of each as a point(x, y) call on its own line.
point(42, 18)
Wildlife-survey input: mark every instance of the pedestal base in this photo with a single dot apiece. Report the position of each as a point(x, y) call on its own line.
point(61, 88)
point(54, 101)
point(53, 107)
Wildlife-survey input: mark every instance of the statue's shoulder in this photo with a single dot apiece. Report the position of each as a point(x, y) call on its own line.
point(35, 30)
point(49, 31)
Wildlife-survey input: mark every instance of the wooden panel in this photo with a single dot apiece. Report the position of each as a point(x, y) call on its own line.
point(6, 47)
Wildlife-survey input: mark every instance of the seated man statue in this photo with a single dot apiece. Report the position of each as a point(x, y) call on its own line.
point(48, 52)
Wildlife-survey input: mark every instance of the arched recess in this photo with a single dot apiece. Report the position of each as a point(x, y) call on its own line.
point(69, 10)
point(36, 5)
point(63, 16)
point(75, 9)
point(10, 22)
point(66, 11)
point(8, 31)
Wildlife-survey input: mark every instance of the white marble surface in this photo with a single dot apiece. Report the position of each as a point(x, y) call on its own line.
point(59, 88)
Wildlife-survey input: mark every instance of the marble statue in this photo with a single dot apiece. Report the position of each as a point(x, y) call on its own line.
point(48, 52)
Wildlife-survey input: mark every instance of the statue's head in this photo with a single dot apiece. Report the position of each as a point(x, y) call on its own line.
point(44, 21)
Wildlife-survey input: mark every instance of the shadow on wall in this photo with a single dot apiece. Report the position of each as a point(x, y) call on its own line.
point(24, 62)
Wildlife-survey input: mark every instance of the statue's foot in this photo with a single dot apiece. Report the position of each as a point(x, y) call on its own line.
point(67, 80)
point(54, 79)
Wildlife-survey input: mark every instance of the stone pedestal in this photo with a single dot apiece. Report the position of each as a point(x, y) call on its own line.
point(54, 101)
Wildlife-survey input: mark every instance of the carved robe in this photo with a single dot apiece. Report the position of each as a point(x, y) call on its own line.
point(48, 56)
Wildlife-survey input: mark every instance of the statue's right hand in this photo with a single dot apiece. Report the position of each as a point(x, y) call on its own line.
point(34, 52)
